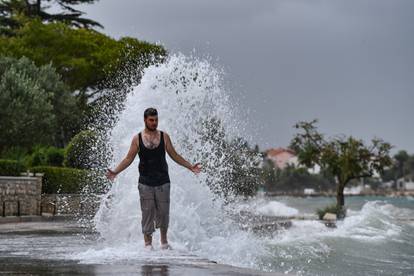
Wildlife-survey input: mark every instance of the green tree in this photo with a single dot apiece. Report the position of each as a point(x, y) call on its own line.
point(346, 158)
point(292, 179)
point(25, 110)
point(270, 174)
point(402, 166)
point(401, 161)
point(232, 166)
point(11, 12)
point(84, 58)
point(36, 107)
point(409, 166)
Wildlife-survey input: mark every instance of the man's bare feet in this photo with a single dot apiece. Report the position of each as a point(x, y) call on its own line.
point(149, 247)
point(166, 246)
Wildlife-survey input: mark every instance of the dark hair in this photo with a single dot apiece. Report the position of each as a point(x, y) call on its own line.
point(150, 112)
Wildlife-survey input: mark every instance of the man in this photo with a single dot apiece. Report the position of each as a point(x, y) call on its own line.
point(154, 181)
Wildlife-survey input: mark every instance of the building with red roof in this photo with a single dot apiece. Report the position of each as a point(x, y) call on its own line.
point(281, 157)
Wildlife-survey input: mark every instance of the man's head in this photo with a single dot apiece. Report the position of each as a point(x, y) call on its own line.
point(151, 118)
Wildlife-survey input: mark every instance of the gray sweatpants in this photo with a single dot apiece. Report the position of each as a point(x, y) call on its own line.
point(155, 206)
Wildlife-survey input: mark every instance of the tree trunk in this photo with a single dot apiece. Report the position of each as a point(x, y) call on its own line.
point(340, 200)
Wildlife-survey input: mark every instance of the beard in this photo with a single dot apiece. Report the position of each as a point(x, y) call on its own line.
point(151, 128)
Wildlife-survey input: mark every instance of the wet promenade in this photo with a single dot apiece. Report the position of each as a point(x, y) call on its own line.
point(41, 248)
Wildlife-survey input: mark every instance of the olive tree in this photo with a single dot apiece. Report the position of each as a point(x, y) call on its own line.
point(346, 158)
point(35, 105)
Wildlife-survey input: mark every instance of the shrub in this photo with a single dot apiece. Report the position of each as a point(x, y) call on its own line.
point(61, 180)
point(46, 156)
point(333, 208)
point(55, 156)
point(82, 149)
point(11, 167)
point(14, 153)
point(38, 157)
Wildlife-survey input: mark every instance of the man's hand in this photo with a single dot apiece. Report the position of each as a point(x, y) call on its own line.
point(196, 168)
point(110, 174)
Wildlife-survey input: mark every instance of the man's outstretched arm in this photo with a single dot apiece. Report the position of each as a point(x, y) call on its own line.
point(128, 159)
point(178, 158)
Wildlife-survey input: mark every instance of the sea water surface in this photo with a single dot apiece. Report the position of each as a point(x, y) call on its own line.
point(376, 238)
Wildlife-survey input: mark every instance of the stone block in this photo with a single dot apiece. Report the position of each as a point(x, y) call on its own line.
point(23, 189)
point(329, 216)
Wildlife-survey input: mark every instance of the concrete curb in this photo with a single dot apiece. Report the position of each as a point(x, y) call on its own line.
point(43, 218)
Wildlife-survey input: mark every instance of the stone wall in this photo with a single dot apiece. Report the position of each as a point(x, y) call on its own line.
point(69, 204)
point(20, 194)
point(61, 203)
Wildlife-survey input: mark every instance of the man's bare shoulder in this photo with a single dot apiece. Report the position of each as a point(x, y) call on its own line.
point(166, 136)
point(135, 140)
point(167, 141)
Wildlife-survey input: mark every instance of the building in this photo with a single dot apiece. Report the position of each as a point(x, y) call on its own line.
point(405, 183)
point(281, 157)
point(309, 191)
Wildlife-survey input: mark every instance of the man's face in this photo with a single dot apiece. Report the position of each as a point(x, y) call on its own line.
point(151, 122)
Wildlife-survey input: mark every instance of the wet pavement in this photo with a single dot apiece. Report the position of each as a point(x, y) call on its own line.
point(39, 248)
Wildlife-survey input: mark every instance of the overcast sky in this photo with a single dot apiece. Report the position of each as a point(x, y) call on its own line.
point(348, 63)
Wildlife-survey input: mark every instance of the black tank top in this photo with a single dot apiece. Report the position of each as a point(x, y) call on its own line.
point(153, 167)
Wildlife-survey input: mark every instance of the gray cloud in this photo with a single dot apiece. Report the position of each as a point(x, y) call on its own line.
point(348, 63)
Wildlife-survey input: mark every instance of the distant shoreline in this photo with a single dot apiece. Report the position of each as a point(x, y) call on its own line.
point(333, 194)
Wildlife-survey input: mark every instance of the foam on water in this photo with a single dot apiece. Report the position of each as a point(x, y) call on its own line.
point(365, 235)
point(275, 208)
point(260, 205)
point(376, 221)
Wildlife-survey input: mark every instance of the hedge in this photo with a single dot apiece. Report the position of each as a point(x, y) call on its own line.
point(55, 156)
point(61, 180)
point(11, 167)
point(46, 156)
